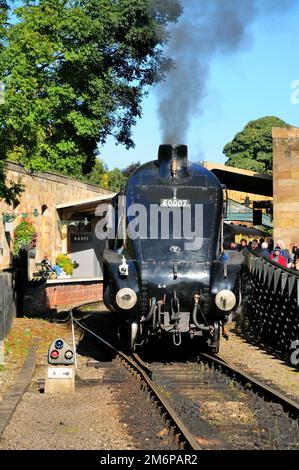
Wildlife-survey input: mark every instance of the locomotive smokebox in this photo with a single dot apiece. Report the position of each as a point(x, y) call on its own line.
point(173, 159)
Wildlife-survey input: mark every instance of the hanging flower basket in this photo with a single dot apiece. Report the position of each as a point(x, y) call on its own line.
point(24, 235)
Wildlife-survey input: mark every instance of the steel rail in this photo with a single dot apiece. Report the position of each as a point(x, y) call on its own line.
point(254, 384)
point(184, 438)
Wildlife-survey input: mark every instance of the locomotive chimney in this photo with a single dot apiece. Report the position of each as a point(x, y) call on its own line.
point(173, 160)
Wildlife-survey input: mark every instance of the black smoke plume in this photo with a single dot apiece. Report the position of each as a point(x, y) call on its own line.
point(206, 28)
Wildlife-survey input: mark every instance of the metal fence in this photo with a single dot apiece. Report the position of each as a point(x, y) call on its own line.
point(7, 303)
point(271, 303)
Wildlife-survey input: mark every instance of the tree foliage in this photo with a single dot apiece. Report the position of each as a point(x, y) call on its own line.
point(114, 179)
point(251, 148)
point(75, 72)
point(9, 190)
point(130, 169)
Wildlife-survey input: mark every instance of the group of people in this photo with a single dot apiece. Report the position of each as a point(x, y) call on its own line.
point(266, 248)
point(48, 267)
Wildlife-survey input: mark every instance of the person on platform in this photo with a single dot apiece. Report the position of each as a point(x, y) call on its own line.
point(243, 247)
point(277, 256)
point(47, 263)
point(265, 251)
point(255, 247)
point(284, 251)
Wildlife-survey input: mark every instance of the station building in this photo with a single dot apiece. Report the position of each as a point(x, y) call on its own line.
point(62, 210)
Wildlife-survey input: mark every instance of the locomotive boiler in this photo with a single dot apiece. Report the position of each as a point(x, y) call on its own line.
point(166, 272)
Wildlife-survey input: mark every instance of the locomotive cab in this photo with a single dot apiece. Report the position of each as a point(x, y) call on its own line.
point(167, 273)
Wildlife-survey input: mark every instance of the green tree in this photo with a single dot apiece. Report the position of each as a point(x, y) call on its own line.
point(75, 72)
point(9, 191)
point(130, 169)
point(113, 179)
point(96, 175)
point(251, 148)
point(116, 179)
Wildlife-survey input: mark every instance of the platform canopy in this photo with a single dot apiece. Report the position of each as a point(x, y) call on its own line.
point(238, 179)
point(85, 204)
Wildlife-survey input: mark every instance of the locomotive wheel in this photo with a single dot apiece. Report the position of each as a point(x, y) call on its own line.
point(215, 346)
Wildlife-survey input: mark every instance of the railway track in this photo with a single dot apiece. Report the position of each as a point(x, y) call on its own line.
point(252, 383)
point(252, 414)
point(189, 395)
point(226, 410)
point(142, 374)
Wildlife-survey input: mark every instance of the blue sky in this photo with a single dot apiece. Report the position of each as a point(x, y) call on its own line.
point(243, 86)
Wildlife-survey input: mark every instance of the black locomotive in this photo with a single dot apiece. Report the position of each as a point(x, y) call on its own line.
point(167, 272)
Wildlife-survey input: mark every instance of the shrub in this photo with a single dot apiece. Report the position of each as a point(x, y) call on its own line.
point(65, 263)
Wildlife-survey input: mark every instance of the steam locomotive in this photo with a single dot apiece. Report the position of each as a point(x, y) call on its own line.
point(166, 272)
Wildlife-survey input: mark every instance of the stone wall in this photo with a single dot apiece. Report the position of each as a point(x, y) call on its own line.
point(286, 184)
point(42, 191)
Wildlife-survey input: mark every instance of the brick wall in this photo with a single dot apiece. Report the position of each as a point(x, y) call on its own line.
point(286, 184)
point(61, 296)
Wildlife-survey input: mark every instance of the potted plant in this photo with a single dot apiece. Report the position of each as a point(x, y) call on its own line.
point(65, 263)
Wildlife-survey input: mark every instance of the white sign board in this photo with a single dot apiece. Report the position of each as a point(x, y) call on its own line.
point(60, 372)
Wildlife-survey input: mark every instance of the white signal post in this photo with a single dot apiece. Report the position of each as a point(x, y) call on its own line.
point(60, 375)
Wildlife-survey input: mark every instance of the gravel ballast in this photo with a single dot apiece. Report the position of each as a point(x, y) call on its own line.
point(260, 363)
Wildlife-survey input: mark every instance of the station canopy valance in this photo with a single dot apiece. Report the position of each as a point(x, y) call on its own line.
point(86, 203)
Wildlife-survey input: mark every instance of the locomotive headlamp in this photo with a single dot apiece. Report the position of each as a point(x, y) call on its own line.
point(126, 298)
point(225, 300)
